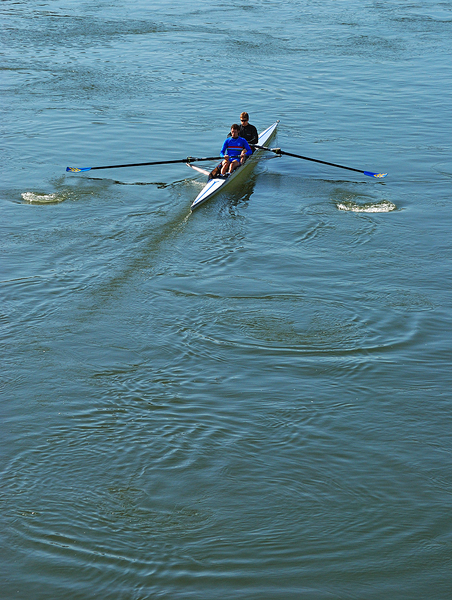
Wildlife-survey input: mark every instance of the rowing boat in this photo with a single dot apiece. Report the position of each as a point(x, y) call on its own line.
point(216, 184)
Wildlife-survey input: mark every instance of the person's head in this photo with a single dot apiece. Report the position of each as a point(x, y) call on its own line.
point(235, 129)
point(244, 118)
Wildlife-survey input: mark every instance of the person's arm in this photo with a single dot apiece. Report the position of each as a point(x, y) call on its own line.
point(245, 152)
point(225, 145)
point(255, 139)
point(247, 148)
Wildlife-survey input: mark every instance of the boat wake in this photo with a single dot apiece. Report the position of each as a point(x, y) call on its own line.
point(371, 207)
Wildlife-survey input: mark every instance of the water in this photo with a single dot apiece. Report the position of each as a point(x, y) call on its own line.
point(253, 400)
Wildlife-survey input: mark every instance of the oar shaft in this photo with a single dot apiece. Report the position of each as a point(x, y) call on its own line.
point(159, 162)
point(135, 165)
point(322, 162)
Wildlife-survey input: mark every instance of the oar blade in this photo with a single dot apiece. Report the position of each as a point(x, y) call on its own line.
point(77, 169)
point(379, 175)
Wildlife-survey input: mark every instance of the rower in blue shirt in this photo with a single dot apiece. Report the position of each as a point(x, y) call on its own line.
point(235, 151)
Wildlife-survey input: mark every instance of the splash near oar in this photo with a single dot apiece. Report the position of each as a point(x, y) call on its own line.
point(189, 159)
point(322, 162)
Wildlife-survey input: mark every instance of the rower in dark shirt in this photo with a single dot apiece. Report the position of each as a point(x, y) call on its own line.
point(247, 131)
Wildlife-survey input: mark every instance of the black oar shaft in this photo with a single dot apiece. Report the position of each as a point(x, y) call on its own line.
point(160, 162)
point(323, 162)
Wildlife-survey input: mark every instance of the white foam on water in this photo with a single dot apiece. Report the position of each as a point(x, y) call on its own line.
point(35, 198)
point(377, 207)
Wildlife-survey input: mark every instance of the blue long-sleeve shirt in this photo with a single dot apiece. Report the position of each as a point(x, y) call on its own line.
point(233, 147)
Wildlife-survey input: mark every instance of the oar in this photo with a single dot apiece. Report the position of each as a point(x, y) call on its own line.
point(160, 162)
point(323, 162)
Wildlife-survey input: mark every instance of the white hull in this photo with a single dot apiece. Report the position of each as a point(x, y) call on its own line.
point(215, 185)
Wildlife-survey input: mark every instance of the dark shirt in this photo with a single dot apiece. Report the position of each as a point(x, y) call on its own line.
point(249, 132)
